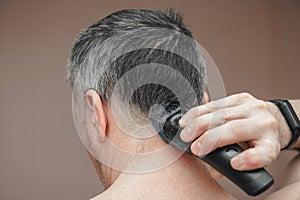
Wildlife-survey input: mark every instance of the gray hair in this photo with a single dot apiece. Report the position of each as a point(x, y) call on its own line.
point(117, 45)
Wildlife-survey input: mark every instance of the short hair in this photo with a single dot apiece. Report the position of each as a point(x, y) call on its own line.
point(149, 37)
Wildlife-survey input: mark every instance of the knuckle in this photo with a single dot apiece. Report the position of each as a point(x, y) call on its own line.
point(253, 159)
point(277, 148)
point(267, 162)
point(269, 123)
point(209, 106)
point(268, 142)
point(234, 128)
point(227, 115)
point(243, 97)
point(246, 95)
point(273, 151)
point(193, 112)
point(270, 159)
point(273, 124)
point(196, 127)
point(272, 156)
point(198, 110)
point(198, 123)
point(201, 126)
point(260, 104)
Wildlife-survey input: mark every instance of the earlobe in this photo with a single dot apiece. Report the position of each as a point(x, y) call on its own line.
point(205, 98)
point(99, 116)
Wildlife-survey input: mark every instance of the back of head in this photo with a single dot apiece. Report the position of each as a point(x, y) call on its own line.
point(142, 59)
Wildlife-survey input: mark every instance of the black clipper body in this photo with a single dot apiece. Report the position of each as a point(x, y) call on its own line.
point(253, 182)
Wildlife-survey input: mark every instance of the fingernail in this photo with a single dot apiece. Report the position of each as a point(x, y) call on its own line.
point(237, 163)
point(183, 121)
point(186, 134)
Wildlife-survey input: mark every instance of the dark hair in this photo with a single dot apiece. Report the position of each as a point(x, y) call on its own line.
point(117, 44)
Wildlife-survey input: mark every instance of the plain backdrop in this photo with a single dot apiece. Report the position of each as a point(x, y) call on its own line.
point(255, 43)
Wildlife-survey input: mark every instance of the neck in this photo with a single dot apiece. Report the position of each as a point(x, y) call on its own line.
point(186, 177)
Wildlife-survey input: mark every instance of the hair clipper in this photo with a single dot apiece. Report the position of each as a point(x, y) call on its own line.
point(253, 182)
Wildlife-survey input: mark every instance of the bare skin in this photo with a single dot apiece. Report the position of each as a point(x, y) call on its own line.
point(256, 125)
point(186, 178)
point(246, 119)
point(172, 182)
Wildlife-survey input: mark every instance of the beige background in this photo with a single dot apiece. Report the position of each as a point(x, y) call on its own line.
point(255, 43)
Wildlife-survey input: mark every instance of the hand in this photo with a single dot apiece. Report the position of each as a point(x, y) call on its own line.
point(256, 125)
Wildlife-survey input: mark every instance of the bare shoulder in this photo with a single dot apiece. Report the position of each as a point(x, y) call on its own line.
point(291, 183)
point(102, 197)
point(108, 197)
point(290, 192)
point(98, 197)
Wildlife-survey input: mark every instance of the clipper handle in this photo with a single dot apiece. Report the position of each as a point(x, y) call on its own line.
point(253, 182)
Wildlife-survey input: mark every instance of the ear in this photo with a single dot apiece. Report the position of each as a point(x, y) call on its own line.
point(99, 118)
point(205, 98)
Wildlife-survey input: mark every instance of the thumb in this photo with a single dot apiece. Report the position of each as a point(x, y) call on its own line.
point(259, 156)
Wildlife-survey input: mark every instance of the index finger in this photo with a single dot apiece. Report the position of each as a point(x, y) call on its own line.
point(230, 101)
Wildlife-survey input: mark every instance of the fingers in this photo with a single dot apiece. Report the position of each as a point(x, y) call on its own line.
point(240, 119)
point(223, 135)
point(197, 126)
point(201, 124)
point(261, 155)
point(230, 101)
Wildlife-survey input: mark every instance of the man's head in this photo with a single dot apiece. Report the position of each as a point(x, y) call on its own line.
point(129, 66)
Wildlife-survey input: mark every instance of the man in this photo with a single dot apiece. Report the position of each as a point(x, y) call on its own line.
point(125, 69)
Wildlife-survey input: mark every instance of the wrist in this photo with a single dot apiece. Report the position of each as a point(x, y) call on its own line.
point(285, 134)
point(296, 106)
